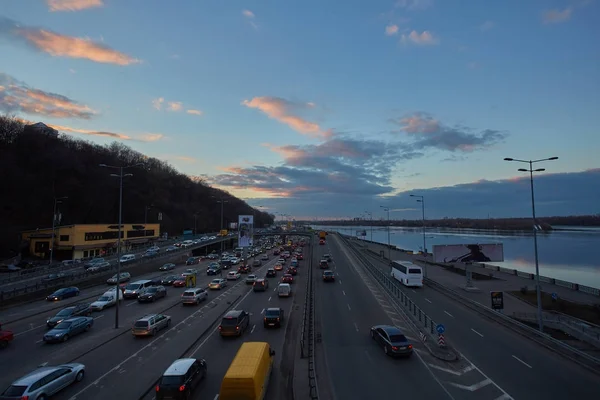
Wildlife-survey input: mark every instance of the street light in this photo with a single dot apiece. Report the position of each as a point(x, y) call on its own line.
point(57, 200)
point(146, 209)
point(421, 200)
point(222, 201)
point(120, 175)
point(535, 245)
point(387, 209)
point(370, 214)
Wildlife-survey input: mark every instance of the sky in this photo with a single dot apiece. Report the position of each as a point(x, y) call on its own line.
point(327, 109)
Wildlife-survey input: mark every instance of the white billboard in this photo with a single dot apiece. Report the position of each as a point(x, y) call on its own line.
point(451, 253)
point(246, 230)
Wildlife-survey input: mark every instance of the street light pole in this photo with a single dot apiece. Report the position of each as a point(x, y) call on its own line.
point(421, 199)
point(387, 209)
point(535, 244)
point(120, 175)
point(222, 201)
point(370, 223)
point(57, 200)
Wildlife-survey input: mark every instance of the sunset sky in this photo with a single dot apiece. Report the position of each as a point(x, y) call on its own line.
point(326, 108)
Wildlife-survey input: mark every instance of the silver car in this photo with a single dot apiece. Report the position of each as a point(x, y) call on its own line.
point(44, 382)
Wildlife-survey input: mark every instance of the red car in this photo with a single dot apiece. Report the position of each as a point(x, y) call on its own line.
point(287, 278)
point(292, 271)
point(5, 337)
point(179, 282)
point(321, 242)
point(300, 257)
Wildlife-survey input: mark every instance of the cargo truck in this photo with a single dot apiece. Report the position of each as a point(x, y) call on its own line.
point(249, 373)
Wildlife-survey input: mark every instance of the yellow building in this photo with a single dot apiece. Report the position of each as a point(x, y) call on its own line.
point(82, 241)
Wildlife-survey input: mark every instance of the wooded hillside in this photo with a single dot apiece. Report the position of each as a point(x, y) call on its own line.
point(36, 168)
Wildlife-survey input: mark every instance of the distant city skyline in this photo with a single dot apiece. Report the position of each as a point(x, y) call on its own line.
point(317, 117)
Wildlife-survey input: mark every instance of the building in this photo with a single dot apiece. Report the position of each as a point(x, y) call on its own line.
point(83, 241)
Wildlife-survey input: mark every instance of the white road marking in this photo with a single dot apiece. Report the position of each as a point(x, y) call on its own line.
point(521, 361)
point(130, 304)
point(451, 371)
point(368, 356)
point(344, 292)
point(447, 313)
point(473, 387)
point(252, 330)
point(29, 330)
point(413, 290)
point(39, 341)
point(340, 281)
point(216, 397)
point(427, 300)
point(349, 309)
point(356, 326)
point(476, 332)
point(505, 396)
point(99, 316)
point(269, 299)
point(263, 311)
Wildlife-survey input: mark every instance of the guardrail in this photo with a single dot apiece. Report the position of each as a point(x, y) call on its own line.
point(80, 276)
point(582, 330)
point(312, 372)
point(303, 333)
point(563, 349)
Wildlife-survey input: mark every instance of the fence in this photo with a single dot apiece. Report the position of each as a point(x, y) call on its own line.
point(582, 330)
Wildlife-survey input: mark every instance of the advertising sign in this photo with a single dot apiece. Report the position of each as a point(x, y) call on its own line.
point(233, 226)
point(497, 300)
point(246, 230)
point(481, 253)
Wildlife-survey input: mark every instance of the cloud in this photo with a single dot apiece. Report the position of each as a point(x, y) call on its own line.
point(424, 38)
point(428, 132)
point(175, 106)
point(18, 97)
point(185, 159)
point(58, 45)
point(143, 137)
point(391, 30)
point(73, 5)
point(487, 25)
point(158, 103)
point(248, 14)
point(556, 16)
point(194, 112)
point(414, 4)
point(283, 110)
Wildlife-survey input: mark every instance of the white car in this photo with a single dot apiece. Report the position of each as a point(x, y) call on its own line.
point(251, 279)
point(233, 275)
point(108, 299)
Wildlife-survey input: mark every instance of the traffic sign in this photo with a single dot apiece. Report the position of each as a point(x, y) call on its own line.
point(440, 328)
point(497, 300)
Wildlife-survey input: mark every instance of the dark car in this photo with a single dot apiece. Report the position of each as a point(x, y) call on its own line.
point(323, 264)
point(68, 328)
point(152, 293)
point(192, 261)
point(244, 269)
point(328, 276)
point(167, 267)
point(260, 285)
point(271, 273)
point(61, 276)
point(392, 339)
point(181, 379)
point(213, 269)
point(226, 264)
point(234, 323)
point(168, 280)
point(256, 263)
point(63, 293)
point(327, 257)
point(292, 271)
point(287, 278)
point(78, 310)
point(273, 318)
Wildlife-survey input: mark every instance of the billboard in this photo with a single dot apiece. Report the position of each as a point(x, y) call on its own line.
point(246, 230)
point(451, 253)
point(233, 226)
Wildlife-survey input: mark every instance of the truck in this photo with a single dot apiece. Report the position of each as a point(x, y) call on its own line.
point(249, 373)
point(322, 235)
point(223, 232)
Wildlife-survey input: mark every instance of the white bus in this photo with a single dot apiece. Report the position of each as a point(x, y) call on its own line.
point(407, 273)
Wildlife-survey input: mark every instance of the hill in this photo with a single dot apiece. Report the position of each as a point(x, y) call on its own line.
point(37, 167)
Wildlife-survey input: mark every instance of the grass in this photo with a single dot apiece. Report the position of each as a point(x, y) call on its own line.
point(586, 312)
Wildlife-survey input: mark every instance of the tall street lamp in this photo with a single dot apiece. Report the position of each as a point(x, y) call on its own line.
point(370, 214)
point(387, 209)
point(146, 209)
point(535, 244)
point(222, 201)
point(195, 223)
point(119, 175)
point(57, 200)
point(421, 200)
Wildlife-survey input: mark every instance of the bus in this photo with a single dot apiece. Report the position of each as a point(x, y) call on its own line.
point(407, 273)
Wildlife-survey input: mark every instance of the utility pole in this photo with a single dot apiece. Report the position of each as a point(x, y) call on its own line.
point(57, 200)
point(387, 209)
point(222, 201)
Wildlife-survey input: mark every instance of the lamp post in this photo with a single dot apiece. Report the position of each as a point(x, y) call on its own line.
point(387, 209)
point(146, 209)
point(222, 202)
point(120, 175)
point(195, 223)
point(535, 245)
point(370, 214)
point(57, 200)
point(421, 199)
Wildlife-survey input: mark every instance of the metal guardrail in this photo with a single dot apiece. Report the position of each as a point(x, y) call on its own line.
point(303, 333)
point(312, 372)
point(575, 327)
point(580, 357)
point(80, 276)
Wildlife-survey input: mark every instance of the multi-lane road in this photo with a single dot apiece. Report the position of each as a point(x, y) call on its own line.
point(125, 367)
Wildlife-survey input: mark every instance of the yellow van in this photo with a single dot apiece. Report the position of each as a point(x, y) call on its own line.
point(248, 375)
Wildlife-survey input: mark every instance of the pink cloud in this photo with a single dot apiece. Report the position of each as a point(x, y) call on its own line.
point(194, 112)
point(143, 137)
point(424, 38)
point(556, 16)
point(391, 30)
point(73, 5)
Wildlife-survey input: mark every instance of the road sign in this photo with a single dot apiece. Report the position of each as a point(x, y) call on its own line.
point(441, 340)
point(554, 296)
point(440, 328)
point(497, 300)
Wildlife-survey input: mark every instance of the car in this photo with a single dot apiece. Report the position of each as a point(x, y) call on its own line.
point(179, 282)
point(152, 293)
point(194, 296)
point(273, 317)
point(77, 310)
point(292, 271)
point(150, 324)
point(181, 379)
point(244, 269)
point(124, 277)
point(63, 293)
point(68, 328)
point(271, 273)
point(300, 256)
point(328, 276)
point(217, 284)
point(256, 263)
point(167, 267)
point(45, 381)
point(278, 267)
point(192, 261)
point(392, 340)
point(234, 323)
point(61, 276)
point(250, 279)
point(323, 264)
point(169, 280)
point(233, 275)
point(6, 337)
point(265, 257)
point(108, 299)
point(189, 271)
point(281, 261)
point(287, 278)
point(321, 242)
point(327, 257)
point(260, 285)
point(214, 268)
point(284, 290)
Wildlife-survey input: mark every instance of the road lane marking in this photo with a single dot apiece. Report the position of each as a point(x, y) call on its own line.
point(447, 313)
point(216, 397)
point(99, 316)
point(521, 361)
point(39, 341)
point(356, 326)
point(29, 330)
point(340, 281)
point(130, 304)
point(369, 357)
point(427, 300)
point(476, 332)
point(413, 290)
point(474, 387)
point(349, 309)
point(252, 330)
point(269, 299)
point(344, 292)
point(504, 396)
point(451, 371)
point(263, 311)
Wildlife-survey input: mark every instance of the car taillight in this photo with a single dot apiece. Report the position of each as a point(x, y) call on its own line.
point(410, 346)
point(237, 328)
point(157, 388)
point(24, 397)
point(265, 319)
point(181, 388)
point(277, 319)
point(394, 348)
point(220, 327)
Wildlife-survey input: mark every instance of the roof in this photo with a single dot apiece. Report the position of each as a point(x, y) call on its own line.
point(34, 376)
point(179, 367)
point(273, 309)
point(390, 329)
point(233, 313)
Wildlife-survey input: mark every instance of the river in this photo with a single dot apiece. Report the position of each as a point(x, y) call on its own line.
point(565, 253)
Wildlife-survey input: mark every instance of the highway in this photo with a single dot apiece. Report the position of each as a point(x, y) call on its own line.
point(122, 366)
point(356, 368)
point(519, 366)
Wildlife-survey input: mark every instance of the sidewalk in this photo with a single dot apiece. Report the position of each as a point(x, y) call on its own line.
point(502, 282)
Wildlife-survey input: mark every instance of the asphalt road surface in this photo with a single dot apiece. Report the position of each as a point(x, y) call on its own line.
point(521, 368)
point(124, 367)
